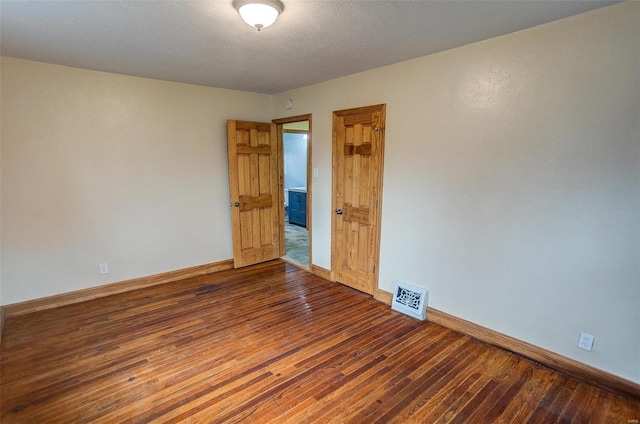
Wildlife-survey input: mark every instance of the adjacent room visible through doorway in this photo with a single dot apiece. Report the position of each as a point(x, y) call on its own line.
point(295, 146)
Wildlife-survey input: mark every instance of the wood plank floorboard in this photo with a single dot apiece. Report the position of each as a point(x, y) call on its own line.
point(272, 344)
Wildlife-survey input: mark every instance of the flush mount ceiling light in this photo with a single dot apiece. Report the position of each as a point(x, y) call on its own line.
point(259, 13)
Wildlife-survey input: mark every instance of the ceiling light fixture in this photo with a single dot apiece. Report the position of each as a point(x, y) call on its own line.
point(259, 13)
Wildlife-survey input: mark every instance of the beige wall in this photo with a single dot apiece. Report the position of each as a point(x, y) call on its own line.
point(100, 168)
point(511, 183)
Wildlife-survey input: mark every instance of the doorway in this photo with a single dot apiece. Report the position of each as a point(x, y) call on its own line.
point(295, 144)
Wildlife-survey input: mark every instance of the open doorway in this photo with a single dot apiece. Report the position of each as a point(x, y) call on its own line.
point(296, 152)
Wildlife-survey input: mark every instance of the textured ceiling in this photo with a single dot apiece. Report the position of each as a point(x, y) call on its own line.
point(206, 42)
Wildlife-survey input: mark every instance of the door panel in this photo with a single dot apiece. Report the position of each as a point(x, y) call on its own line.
point(253, 184)
point(358, 146)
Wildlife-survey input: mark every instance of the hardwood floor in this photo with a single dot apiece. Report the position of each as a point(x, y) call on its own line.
point(272, 343)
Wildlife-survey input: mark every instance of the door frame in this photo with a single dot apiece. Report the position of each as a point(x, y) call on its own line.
point(376, 292)
point(280, 147)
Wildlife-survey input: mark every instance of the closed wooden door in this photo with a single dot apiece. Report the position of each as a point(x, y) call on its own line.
point(253, 184)
point(358, 154)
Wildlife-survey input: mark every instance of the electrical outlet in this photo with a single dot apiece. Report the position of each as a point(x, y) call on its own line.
point(104, 269)
point(586, 341)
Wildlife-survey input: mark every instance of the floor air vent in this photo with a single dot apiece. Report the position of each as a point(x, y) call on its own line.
point(410, 300)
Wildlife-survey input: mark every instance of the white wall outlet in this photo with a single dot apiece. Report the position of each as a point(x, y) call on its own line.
point(586, 341)
point(104, 269)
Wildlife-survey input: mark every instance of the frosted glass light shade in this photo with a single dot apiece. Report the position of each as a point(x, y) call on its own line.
point(258, 13)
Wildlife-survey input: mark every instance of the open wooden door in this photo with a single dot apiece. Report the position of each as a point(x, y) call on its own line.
point(254, 187)
point(358, 154)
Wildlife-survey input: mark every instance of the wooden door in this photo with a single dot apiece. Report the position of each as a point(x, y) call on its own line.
point(358, 153)
point(253, 184)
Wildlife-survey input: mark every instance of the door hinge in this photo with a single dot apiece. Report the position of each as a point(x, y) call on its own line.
point(376, 203)
point(374, 268)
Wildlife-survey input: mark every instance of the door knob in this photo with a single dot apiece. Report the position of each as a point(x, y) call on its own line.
point(338, 211)
point(237, 204)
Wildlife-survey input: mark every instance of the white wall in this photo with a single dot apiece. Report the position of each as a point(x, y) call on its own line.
point(99, 168)
point(512, 181)
point(294, 148)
